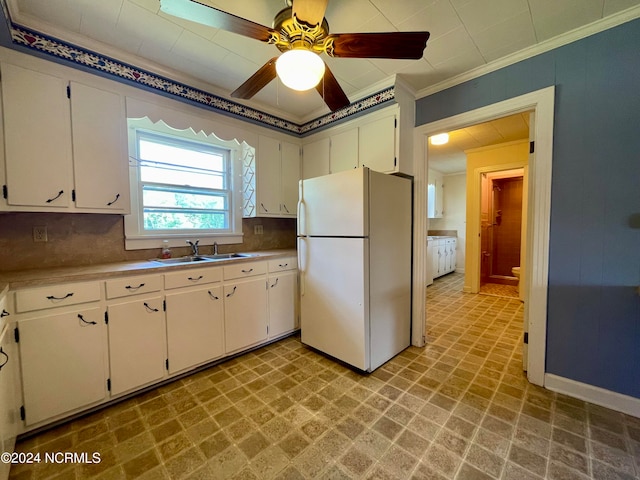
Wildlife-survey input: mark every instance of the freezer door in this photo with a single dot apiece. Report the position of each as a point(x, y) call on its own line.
point(335, 205)
point(334, 297)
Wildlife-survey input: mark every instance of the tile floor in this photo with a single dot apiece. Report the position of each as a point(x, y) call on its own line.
point(499, 290)
point(460, 408)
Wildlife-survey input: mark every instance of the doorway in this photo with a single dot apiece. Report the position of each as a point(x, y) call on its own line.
point(538, 200)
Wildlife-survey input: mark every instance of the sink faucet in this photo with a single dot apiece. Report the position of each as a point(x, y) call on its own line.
point(194, 246)
point(215, 248)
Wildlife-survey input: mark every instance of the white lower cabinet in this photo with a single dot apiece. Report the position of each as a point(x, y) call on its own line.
point(245, 313)
point(9, 405)
point(443, 256)
point(137, 343)
point(282, 284)
point(63, 363)
point(195, 327)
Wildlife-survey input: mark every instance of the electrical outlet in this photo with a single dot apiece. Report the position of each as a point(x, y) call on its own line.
point(258, 229)
point(40, 234)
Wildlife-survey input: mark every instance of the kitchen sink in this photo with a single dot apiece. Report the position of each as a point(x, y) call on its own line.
point(225, 256)
point(179, 260)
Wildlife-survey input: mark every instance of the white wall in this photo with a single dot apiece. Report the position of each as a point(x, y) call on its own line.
point(455, 213)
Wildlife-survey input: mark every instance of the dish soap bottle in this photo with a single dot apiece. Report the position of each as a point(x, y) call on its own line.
point(166, 251)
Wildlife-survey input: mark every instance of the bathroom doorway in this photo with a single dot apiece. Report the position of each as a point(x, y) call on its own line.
point(501, 230)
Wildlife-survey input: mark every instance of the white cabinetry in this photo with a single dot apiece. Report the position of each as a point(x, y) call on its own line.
point(315, 158)
point(277, 176)
point(435, 195)
point(37, 136)
point(443, 255)
point(65, 145)
point(343, 154)
point(137, 333)
point(9, 416)
point(282, 296)
point(245, 305)
point(377, 144)
point(195, 317)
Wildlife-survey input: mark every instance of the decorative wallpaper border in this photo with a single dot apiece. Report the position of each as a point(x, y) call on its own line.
point(86, 58)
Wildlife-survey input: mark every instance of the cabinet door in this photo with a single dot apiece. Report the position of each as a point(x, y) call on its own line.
point(268, 176)
point(9, 387)
point(62, 358)
point(245, 313)
point(377, 144)
point(290, 177)
point(195, 330)
point(100, 162)
point(344, 151)
point(137, 348)
point(315, 159)
point(283, 294)
point(37, 135)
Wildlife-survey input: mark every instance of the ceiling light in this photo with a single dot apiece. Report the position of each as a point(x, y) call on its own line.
point(300, 69)
point(439, 139)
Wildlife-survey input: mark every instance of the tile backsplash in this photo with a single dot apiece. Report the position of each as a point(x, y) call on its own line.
point(86, 239)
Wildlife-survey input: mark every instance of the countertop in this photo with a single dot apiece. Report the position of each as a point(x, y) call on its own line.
point(48, 276)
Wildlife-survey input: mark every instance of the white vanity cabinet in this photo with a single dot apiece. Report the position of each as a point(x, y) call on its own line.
point(65, 145)
point(277, 177)
point(443, 255)
point(62, 343)
point(195, 317)
point(137, 332)
point(282, 285)
point(245, 305)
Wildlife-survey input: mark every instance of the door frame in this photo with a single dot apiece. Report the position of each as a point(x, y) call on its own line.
point(538, 215)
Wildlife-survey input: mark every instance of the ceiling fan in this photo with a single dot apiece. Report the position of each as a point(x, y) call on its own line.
point(301, 32)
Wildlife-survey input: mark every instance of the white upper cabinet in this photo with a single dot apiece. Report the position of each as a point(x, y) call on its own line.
point(277, 177)
point(377, 144)
point(100, 162)
point(344, 151)
point(65, 145)
point(37, 134)
point(315, 158)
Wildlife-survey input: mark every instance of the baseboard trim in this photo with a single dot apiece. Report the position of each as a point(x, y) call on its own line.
point(599, 396)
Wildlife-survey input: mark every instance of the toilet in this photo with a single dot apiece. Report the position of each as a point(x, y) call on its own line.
point(516, 273)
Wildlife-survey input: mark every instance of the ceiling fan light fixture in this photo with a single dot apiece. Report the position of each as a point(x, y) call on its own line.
point(300, 69)
point(440, 139)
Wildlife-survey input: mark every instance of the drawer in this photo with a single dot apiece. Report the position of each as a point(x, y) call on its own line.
point(281, 264)
point(125, 287)
point(57, 296)
point(243, 269)
point(198, 276)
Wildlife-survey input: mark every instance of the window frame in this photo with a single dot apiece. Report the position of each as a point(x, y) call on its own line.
point(136, 236)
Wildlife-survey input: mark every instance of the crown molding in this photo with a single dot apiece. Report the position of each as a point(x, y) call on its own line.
point(593, 28)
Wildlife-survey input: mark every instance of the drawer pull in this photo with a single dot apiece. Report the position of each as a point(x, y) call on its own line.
point(83, 320)
point(232, 291)
point(151, 309)
point(213, 296)
point(6, 358)
point(132, 288)
point(283, 265)
point(4, 313)
point(51, 297)
point(195, 279)
point(247, 271)
point(114, 200)
point(275, 283)
point(56, 197)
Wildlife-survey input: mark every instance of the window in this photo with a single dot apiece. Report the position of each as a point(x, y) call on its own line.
point(182, 187)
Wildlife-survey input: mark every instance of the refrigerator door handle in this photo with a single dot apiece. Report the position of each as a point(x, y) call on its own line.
point(301, 267)
point(300, 212)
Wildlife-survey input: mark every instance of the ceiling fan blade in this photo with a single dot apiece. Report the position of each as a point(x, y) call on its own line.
point(201, 13)
point(401, 45)
point(331, 91)
point(257, 81)
point(310, 12)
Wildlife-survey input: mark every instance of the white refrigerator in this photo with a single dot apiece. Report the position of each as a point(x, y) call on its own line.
point(354, 249)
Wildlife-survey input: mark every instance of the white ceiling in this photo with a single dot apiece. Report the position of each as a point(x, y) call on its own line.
point(450, 158)
point(465, 34)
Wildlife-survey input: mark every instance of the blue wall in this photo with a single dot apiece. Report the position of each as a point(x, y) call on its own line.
point(593, 330)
